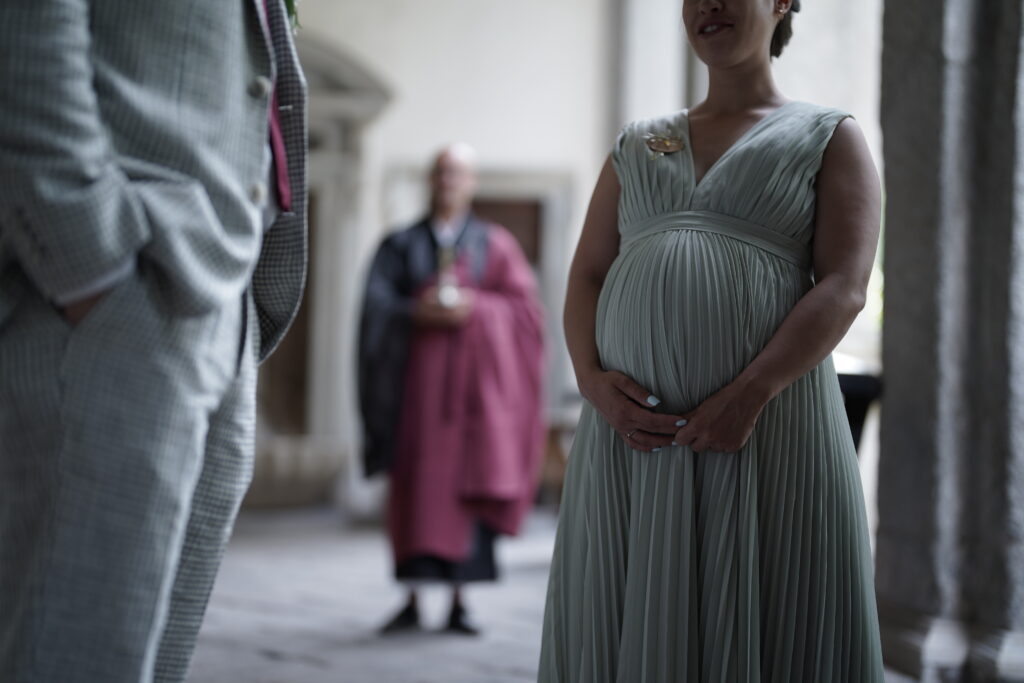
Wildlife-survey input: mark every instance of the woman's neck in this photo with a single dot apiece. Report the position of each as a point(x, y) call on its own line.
point(741, 88)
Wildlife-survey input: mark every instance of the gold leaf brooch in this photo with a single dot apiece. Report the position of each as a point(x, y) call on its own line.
point(660, 145)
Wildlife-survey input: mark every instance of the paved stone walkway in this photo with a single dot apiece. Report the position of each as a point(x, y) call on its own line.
point(300, 595)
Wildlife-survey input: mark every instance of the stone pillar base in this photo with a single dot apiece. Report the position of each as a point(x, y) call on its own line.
point(934, 650)
point(998, 657)
point(927, 648)
point(294, 471)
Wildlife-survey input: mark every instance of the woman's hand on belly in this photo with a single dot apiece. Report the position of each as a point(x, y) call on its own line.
point(724, 422)
point(628, 408)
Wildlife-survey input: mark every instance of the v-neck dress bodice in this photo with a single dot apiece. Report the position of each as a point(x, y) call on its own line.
point(748, 567)
point(765, 178)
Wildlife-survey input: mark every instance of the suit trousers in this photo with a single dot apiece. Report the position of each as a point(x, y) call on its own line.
point(126, 447)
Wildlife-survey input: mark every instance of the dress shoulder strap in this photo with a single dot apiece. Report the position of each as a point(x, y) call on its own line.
point(812, 129)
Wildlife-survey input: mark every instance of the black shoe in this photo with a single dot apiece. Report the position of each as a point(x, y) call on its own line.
point(406, 620)
point(460, 622)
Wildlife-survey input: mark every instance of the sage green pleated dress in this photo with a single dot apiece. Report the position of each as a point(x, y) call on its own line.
point(749, 567)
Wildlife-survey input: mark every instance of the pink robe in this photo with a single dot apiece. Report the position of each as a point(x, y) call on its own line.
point(471, 432)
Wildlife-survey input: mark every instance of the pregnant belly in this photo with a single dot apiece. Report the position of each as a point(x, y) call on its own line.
point(684, 312)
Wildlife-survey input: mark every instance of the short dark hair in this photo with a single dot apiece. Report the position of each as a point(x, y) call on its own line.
point(784, 31)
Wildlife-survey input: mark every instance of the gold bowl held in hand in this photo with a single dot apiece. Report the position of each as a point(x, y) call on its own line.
point(448, 295)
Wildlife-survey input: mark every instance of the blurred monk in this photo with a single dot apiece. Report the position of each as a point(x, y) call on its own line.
point(450, 375)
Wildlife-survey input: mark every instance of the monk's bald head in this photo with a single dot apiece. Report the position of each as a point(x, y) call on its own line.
point(453, 180)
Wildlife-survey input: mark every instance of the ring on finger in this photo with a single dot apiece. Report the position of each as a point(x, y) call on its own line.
point(630, 435)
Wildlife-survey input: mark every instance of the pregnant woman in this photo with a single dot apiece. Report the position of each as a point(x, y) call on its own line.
point(713, 526)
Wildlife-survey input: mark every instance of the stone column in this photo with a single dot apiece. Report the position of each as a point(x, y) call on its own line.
point(651, 58)
point(950, 548)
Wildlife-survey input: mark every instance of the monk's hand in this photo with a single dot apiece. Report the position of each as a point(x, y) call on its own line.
point(629, 409)
point(76, 312)
point(461, 311)
point(429, 311)
point(724, 422)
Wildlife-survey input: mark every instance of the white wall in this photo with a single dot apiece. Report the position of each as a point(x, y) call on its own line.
point(652, 64)
point(523, 82)
point(527, 83)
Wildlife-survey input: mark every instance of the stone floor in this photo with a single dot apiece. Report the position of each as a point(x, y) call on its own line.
point(300, 595)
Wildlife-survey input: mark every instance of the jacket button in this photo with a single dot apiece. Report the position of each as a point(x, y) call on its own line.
point(261, 87)
point(258, 193)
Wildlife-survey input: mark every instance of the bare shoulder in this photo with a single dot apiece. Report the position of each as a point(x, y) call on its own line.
point(848, 187)
point(847, 147)
point(847, 166)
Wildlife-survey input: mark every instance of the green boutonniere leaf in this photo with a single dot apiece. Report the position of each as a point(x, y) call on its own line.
point(293, 14)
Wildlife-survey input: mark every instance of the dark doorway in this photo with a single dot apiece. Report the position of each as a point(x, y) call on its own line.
point(521, 217)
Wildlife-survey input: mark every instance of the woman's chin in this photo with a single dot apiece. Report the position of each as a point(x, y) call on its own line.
point(718, 59)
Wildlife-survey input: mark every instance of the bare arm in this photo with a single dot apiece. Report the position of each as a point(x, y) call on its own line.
point(845, 240)
point(597, 249)
point(623, 403)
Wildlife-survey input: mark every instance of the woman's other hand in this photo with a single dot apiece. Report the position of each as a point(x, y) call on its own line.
point(724, 422)
point(628, 408)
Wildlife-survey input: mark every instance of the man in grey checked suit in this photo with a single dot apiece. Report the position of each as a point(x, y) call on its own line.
point(152, 249)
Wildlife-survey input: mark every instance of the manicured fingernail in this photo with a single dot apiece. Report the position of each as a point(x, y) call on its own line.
point(674, 443)
point(653, 400)
point(681, 423)
point(656, 450)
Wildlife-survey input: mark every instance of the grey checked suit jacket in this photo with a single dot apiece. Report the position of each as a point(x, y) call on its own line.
point(138, 128)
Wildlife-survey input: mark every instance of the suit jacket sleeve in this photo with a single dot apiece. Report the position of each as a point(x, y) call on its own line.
point(66, 209)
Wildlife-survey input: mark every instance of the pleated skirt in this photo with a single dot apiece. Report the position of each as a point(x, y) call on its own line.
point(748, 567)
